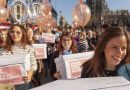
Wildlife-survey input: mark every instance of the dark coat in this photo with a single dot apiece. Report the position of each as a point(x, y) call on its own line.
point(53, 65)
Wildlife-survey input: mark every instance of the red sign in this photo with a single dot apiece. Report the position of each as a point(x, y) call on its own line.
point(11, 74)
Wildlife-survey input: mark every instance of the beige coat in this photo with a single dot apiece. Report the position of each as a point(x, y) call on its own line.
point(7, 86)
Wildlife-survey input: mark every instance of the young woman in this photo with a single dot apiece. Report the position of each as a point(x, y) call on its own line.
point(39, 74)
point(111, 53)
point(3, 37)
point(17, 42)
point(65, 46)
point(30, 35)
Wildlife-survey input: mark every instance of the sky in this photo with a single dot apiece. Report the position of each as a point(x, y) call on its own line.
point(66, 7)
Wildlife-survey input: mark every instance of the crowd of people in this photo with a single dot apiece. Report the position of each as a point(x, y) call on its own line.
point(110, 45)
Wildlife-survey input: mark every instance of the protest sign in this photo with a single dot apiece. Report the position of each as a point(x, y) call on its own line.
point(13, 67)
point(48, 37)
point(70, 65)
point(12, 59)
point(12, 74)
point(40, 51)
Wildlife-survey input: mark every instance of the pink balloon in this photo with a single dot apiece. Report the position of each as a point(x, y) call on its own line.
point(3, 3)
point(49, 15)
point(81, 14)
point(51, 22)
point(3, 14)
point(45, 8)
point(40, 20)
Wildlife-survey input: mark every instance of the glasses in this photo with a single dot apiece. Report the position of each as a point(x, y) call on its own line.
point(17, 32)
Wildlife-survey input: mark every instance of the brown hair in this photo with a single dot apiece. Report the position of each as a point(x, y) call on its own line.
point(73, 46)
point(24, 40)
point(33, 39)
point(96, 66)
point(105, 26)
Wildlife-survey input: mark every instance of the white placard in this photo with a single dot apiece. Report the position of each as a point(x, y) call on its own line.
point(13, 59)
point(70, 65)
point(40, 51)
point(48, 37)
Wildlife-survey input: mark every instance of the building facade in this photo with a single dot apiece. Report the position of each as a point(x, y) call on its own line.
point(102, 14)
point(98, 10)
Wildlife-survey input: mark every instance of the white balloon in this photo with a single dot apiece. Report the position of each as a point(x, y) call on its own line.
point(18, 10)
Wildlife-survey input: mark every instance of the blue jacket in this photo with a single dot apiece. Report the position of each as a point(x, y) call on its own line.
point(124, 70)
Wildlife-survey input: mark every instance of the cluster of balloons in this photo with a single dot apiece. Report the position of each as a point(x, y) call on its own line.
point(34, 12)
point(45, 17)
point(3, 11)
point(81, 14)
point(40, 13)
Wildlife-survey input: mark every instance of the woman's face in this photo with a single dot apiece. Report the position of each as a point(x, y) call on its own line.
point(16, 34)
point(3, 35)
point(115, 51)
point(66, 43)
point(30, 33)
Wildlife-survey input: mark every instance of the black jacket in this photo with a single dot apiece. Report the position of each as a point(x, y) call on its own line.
point(53, 65)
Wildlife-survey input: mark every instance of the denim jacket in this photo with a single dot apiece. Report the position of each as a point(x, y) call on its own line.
point(124, 70)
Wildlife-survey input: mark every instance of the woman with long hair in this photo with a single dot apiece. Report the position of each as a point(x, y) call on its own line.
point(17, 42)
point(65, 46)
point(3, 37)
point(112, 51)
point(30, 35)
point(40, 72)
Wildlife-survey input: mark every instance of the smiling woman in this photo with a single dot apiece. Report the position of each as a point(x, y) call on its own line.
point(3, 37)
point(65, 46)
point(111, 53)
point(17, 43)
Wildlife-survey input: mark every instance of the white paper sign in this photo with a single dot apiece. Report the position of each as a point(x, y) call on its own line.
point(99, 83)
point(48, 37)
point(40, 51)
point(70, 65)
point(13, 59)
